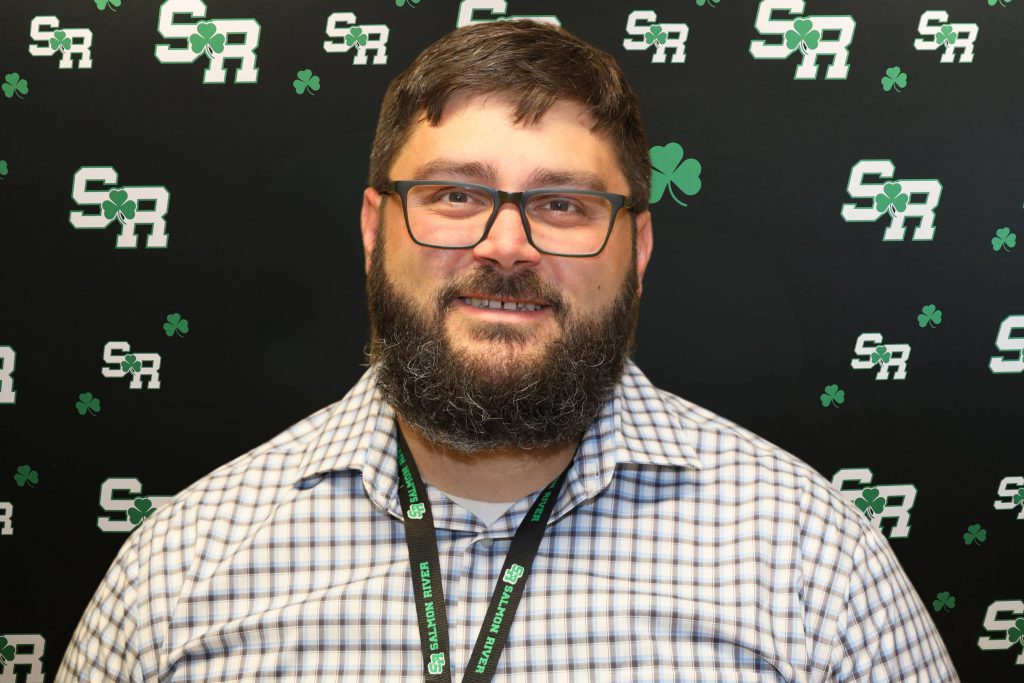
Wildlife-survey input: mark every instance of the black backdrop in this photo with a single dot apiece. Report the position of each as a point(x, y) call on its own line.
point(754, 301)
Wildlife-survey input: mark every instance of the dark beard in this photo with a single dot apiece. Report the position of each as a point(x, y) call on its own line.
point(471, 405)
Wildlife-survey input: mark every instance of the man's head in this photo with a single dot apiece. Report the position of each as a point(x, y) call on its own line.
point(516, 106)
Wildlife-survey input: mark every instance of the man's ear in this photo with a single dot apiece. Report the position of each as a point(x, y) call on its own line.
point(370, 222)
point(644, 245)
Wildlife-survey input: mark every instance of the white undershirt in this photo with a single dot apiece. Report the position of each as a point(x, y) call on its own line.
point(487, 512)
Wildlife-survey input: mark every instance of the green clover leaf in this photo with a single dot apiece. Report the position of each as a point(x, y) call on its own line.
point(1003, 3)
point(801, 36)
point(975, 534)
point(656, 35)
point(118, 205)
point(1018, 497)
point(7, 650)
point(881, 355)
point(929, 315)
point(891, 198)
point(668, 171)
point(306, 80)
point(1004, 240)
point(176, 324)
point(26, 475)
point(13, 85)
point(103, 4)
point(1014, 633)
point(131, 364)
point(870, 501)
point(60, 41)
point(355, 35)
point(709, 3)
point(87, 403)
point(946, 34)
point(894, 78)
point(412, 3)
point(3, 167)
point(833, 396)
point(206, 38)
point(143, 508)
point(943, 601)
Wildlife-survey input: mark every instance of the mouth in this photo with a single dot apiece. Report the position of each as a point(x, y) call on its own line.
point(503, 304)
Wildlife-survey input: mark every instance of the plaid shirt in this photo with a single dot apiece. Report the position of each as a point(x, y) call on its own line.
point(682, 547)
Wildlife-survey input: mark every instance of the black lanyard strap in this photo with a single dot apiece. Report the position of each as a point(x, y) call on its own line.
point(426, 575)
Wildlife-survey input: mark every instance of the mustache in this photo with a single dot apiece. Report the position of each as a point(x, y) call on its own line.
point(489, 281)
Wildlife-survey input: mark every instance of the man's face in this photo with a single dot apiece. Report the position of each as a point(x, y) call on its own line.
point(417, 294)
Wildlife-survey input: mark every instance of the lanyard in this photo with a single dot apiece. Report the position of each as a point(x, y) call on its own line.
point(426, 575)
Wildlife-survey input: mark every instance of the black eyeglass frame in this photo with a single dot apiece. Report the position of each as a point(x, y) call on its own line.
point(500, 198)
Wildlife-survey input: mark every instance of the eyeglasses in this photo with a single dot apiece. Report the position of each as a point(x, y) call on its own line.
point(447, 214)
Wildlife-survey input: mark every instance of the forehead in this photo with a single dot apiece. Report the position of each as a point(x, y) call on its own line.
point(476, 140)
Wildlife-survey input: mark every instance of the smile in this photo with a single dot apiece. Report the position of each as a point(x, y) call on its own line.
point(500, 305)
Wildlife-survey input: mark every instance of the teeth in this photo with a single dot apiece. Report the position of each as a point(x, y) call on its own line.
point(501, 305)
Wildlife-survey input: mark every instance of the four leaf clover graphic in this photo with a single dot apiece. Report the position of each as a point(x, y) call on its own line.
point(975, 534)
point(946, 34)
point(668, 171)
point(87, 403)
point(943, 601)
point(7, 650)
point(14, 84)
point(881, 355)
point(3, 167)
point(1004, 240)
point(143, 508)
point(892, 198)
point(306, 81)
point(355, 35)
point(60, 41)
point(894, 78)
point(802, 36)
point(176, 324)
point(833, 396)
point(118, 206)
point(131, 364)
point(870, 502)
point(103, 4)
point(207, 39)
point(656, 35)
point(26, 475)
point(1016, 632)
point(412, 3)
point(929, 315)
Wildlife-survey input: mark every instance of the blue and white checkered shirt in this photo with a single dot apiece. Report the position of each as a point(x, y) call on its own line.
point(681, 548)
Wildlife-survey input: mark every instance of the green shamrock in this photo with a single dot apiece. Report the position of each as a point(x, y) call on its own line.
point(668, 171)
point(891, 198)
point(60, 41)
point(3, 167)
point(894, 78)
point(709, 3)
point(143, 508)
point(412, 3)
point(354, 36)
point(801, 36)
point(305, 80)
point(102, 4)
point(833, 396)
point(943, 601)
point(881, 355)
point(870, 501)
point(130, 364)
point(119, 206)
point(175, 323)
point(1018, 497)
point(1013, 634)
point(87, 403)
point(946, 34)
point(975, 534)
point(1004, 3)
point(1004, 240)
point(26, 475)
point(656, 35)
point(206, 38)
point(7, 650)
point(929, 315)
point(14, 84)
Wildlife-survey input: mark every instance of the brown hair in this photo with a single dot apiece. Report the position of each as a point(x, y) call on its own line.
point(535, 64)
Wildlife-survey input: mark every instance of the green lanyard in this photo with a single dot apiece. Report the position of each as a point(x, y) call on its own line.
point(426, 575)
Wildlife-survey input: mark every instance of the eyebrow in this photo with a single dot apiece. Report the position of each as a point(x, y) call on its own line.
point(441, 169)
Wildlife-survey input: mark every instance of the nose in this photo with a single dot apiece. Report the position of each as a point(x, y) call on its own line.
point(506, 244)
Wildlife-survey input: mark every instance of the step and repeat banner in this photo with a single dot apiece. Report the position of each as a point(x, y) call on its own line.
point(838, 189)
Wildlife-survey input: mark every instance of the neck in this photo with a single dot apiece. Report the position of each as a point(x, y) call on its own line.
point(498, 476)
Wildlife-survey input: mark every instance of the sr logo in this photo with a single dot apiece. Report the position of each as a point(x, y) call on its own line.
point(670, 37)
point(813, 36)
point(869, 351)
point(1001, 618)
point(131, 206)
point(69, 42)
point(7, 361)
point(940, 34)
point(119, 355)
point(899, 200)
point(112, 500)
point(889, 501)
point(482, 11)
point(215, 38)
point(363, 37)
point(1011, 495)
point(1011, 345)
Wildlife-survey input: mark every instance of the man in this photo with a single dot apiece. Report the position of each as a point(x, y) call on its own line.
point(504, 493)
